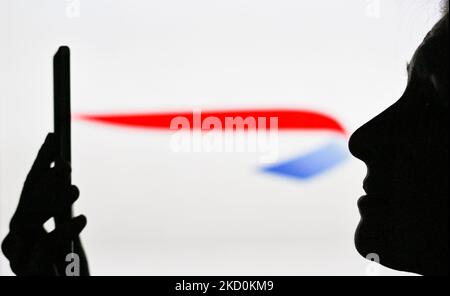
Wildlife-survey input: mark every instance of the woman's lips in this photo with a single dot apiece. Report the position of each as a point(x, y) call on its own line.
point(372, 202)
point(377, 187)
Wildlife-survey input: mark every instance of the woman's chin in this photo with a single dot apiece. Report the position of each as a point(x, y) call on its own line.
point(371, 242)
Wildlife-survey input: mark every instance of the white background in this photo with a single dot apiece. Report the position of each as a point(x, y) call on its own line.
point(151, 211)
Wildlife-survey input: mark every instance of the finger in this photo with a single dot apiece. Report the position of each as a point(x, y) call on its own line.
point(55, 184)
point(52, 195)
point(55, 244)
point(50, 202)
point(61, 173)
point(63, 194)
point(67, 232)
point(47, 188)
point(64, 200)
point(74, 194)
point(62, 166)
point(46, 155)
point(55, 179)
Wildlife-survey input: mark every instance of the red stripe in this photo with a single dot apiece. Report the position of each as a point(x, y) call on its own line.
point(287, 119)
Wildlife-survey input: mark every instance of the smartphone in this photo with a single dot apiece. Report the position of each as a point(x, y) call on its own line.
point(62, 115)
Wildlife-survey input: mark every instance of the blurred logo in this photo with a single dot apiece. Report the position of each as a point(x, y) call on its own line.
point(304, 166)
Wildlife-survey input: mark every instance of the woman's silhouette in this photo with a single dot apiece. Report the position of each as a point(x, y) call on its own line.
point(405, 215)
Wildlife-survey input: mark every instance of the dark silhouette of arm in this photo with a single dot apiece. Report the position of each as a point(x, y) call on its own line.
point(46, 193)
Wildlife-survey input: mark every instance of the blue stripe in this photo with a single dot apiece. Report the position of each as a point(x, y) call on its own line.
point(312, 164)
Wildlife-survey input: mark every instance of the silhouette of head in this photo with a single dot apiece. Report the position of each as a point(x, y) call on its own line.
point(405, 214)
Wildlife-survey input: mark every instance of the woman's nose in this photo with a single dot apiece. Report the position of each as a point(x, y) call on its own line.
point(358, 143)
point(374, 139)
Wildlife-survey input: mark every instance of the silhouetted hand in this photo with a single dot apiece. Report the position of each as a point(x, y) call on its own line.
point(47, 192)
